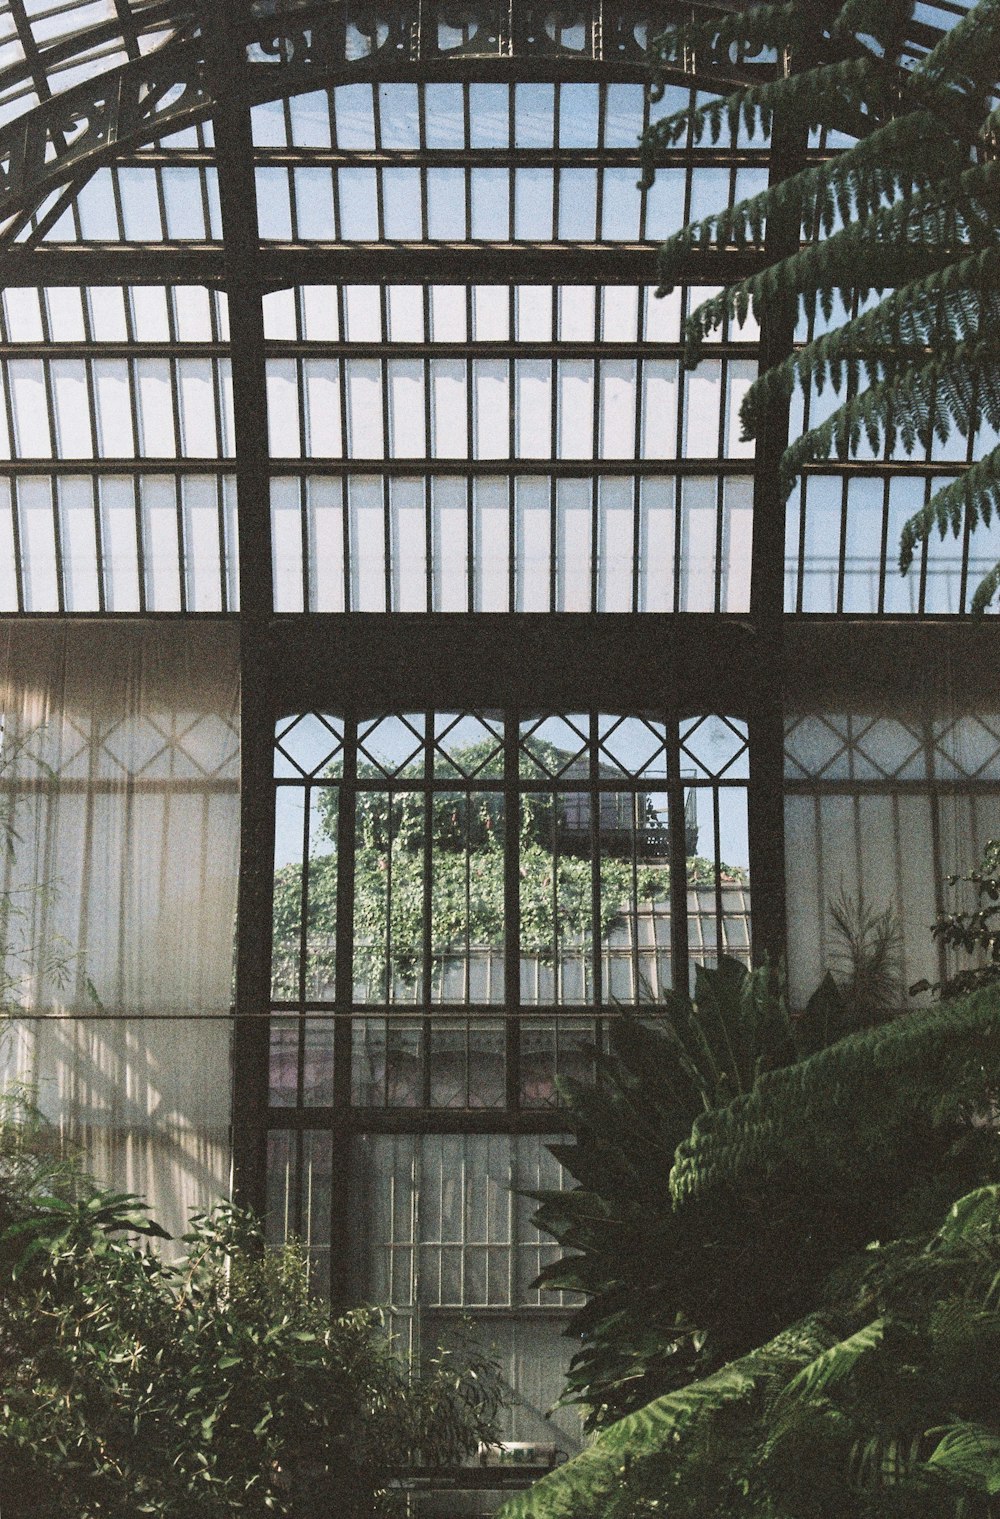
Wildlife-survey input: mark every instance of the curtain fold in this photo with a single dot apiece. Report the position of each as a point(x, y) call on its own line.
point(119, 789)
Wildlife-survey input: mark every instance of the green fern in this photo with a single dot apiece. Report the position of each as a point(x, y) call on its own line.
point(937, 1064)
point(842, 1416)
point(970, 1453)
point(832, 1364)
point(908, 215)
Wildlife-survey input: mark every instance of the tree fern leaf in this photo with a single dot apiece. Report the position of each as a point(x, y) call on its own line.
point(985, 591)
point(833, 1364)
point(970, 1214)
point(968, 1453)
point(972, 496)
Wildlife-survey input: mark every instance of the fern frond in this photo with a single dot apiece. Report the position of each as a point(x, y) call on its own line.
point(965, 55)
point(905, 155)
point(985, 591)
point(904, 243)
point(950, 305)
point(971, 1214)
point(810, 96)
point(955, 392)
point(729, 35)
point(973, 497)
point(832, 1365)
point(565, 1492)
point(822, 1100)
point(969, 1454)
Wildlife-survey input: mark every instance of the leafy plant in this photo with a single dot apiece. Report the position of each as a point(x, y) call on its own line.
point(215, 1386)
point(880, 1400)
point(881, 1405)
point(618, 1224)
point(720, 1184)
point(864, 984)
point(974, 931)
point(900, 226)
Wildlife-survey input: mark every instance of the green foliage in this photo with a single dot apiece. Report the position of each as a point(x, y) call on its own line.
point(903, 221)
point(880, 1401)
point(618, 1225)
point(215, 1386)
point(627, 1247)
point(974, 931)
point(466, 855)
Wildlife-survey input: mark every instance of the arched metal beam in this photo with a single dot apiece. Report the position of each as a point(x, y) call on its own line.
point(302, 46)
point(41, 61)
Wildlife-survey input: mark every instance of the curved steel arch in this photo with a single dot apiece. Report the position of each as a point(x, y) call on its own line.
point(41, 62)
point(290, 46)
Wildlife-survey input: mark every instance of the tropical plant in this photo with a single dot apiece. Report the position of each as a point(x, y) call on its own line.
point(972, 930)
point(214, 1386)
point(881, 1405)
point(864, 984)
point(881, 1397)
point(899, 226)
point(618, 1224)
point(721, 1184)
point(663, 1068)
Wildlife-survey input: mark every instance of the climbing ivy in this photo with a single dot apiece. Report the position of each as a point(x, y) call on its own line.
point(467, 884)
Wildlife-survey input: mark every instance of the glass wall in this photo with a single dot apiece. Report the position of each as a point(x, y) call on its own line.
point(422, 857)
point(879, 811)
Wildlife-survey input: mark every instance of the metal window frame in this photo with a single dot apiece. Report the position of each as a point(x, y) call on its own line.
point(308, 660)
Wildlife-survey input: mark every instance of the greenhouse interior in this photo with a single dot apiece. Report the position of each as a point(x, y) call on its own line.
point(391, 613)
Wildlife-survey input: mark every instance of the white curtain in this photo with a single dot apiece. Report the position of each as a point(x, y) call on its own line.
point(874, 849)
point(883, 808)
point(119, 780)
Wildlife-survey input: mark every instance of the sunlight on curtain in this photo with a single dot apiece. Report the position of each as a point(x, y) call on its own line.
point(881, 809)
point(119, 782)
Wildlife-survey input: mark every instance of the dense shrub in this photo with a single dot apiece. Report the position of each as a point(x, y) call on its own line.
point(210, 1387)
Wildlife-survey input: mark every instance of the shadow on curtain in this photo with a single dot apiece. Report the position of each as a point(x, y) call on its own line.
point(119, 790)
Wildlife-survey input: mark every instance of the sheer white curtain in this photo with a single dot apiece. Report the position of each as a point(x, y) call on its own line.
point(883, 808)
point(119, 778)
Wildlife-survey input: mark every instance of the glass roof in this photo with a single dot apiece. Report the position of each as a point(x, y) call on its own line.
point(434, 435)
point(49, 46)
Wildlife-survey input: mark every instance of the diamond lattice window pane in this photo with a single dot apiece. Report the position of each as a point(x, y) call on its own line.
point(469, 745)
point(308, 746)
point(393, 745)
point(717, 745)
point(633, 745)
point(886, 748)
point(969, 747)
point(556, 746)
point(60, 748)
point(816, 746)
point(135, 748)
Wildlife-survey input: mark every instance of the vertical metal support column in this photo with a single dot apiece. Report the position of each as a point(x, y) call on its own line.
point(512, 907)
point(766, 803)
point(680, 960)
point(234, 153)
point(343, 1033)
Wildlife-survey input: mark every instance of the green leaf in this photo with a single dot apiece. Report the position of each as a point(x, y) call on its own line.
point(968, 1454)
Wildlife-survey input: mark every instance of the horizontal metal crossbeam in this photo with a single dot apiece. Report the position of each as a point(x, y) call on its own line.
point(289, 48)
